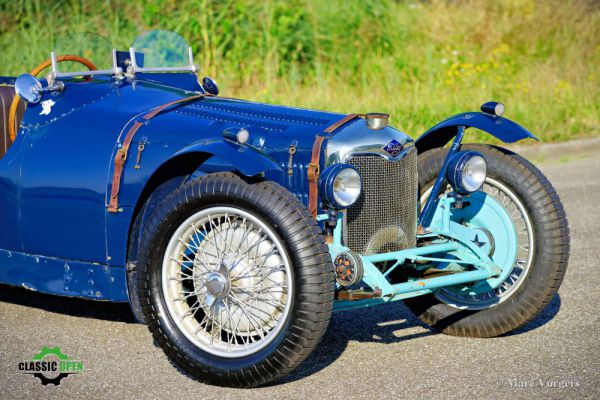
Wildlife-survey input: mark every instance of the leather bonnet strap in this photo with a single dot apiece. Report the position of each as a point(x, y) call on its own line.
point(121, 155)
point(314, 169)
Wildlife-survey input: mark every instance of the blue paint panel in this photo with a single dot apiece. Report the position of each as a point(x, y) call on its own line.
point(247, 160)
point(500, 127)
point(184, 81)
point(64, 278)
point(10, 195)
point(65, 166)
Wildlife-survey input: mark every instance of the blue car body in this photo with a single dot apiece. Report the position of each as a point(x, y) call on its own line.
point(56, 234)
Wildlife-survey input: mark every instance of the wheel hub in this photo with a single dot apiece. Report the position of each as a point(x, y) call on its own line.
point(217, 284)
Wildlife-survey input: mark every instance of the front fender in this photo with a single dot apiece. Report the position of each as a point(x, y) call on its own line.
point(499, 127)
point(247, 160)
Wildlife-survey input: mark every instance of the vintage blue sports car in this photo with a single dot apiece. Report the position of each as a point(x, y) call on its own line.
point(234, 229)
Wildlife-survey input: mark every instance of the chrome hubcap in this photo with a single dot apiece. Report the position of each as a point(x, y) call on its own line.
point(217, 284)
point(227, 281)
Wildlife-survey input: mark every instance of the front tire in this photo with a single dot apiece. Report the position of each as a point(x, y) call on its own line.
point(544, 245)
point(235, 280)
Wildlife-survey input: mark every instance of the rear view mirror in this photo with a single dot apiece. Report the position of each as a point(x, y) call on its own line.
point(29, 88)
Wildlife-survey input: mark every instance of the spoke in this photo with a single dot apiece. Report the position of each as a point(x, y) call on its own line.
point(524, 247)
point(239, 320)
point(250, 319)
point(229, 324)
point(260, 272)
point(185, 296)
point(210, 233)
point(225, 241)
point(192, 310)
point(213, 328)
point(263, 257)
point(188, 245)
point(244, 236)
point(188, 277)
point(256, 306)
point(221, 323)
point(272, 301)
point(262, 288)
point(182, 264)
point(214, 236)
point(255, 244)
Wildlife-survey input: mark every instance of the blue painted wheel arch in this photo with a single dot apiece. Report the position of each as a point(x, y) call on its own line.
point(207, 154)
point(502, 128)
point(245, 159)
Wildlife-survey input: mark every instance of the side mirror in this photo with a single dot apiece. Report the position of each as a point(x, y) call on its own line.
point(29, 88)
point(210, 86)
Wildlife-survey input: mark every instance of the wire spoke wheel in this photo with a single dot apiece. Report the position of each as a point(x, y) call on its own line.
point(227, 281)
point(235, 280)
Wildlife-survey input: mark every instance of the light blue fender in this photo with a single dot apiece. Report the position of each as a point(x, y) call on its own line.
point(245, 159)
point(499, 127)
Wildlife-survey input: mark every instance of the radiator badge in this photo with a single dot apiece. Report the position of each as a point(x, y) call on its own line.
point(394, 148)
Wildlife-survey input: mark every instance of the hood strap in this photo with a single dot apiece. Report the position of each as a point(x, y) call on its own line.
point(314, 168)
point(121, 155)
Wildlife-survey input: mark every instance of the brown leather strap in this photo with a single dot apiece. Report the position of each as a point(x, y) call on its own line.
point(341, 122)
point(314, 169)
point(122, 153)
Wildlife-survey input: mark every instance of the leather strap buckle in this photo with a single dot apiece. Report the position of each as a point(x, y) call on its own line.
point(314, 170)
point(120, 157)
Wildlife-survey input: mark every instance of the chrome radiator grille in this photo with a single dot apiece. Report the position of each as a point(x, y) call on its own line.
point(384, 218)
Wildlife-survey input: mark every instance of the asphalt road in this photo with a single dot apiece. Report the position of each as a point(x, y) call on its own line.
point(373, 353)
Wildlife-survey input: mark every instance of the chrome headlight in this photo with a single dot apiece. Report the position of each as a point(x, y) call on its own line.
point(340, 186)
point(466, 171)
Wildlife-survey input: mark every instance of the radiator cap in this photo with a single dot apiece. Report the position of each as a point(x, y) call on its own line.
point(377, 121)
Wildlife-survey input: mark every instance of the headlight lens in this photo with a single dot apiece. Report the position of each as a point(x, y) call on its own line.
point(340, 186)
point(474, 173)
point(346, 187)
point(467, 171)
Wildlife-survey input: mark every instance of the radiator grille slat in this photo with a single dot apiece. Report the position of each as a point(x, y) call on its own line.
point(384, 218)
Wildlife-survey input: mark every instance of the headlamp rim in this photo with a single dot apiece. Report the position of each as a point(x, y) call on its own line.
point(455, 169)
point(326, 183)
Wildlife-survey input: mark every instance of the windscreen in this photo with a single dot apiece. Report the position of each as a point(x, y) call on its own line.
point(162, 49)
point(92, 47)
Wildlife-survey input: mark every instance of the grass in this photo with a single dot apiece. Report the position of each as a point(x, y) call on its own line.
point(421, 61)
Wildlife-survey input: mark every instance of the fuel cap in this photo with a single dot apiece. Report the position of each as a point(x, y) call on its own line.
point(377, 121)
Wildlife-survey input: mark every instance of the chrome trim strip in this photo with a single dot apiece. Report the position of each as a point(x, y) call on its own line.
point(188, 68)
point(116, 70)
point(357, 139)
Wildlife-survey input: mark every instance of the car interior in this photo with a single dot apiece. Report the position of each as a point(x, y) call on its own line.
point(7, 94)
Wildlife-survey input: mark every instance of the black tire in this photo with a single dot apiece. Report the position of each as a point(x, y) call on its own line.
point(551, 255)
point(313, 281)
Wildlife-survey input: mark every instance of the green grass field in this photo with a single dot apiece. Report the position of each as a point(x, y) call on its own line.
point(421, 61)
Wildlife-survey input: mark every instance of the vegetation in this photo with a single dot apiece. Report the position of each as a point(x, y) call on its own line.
point(418, 60)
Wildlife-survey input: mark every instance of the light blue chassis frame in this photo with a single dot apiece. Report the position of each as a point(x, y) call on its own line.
point(448, 237)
